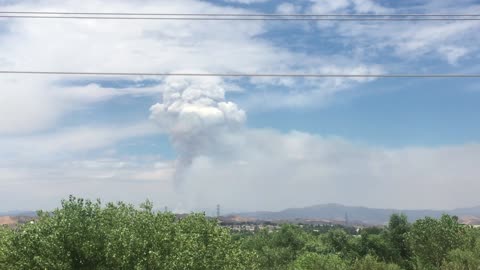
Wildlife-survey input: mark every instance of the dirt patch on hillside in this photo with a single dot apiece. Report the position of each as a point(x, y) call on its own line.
point(8, 220)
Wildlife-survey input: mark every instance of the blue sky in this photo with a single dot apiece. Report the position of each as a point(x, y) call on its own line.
point(192, 143)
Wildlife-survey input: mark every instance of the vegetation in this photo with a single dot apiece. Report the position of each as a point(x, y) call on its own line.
point(87, 235)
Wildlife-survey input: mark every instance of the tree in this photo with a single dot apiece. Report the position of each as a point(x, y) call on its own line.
point(468, 256)
point(202, 244)
point(85, 235)
point(5, 234)
point(431, 240)
point(314, 261)
point(396, 235)
point(338, 241)
point(278, 249)
point(462, 260)
point(376, 245)
point(369, 262)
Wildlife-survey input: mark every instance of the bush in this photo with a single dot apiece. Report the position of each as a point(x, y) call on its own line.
point(371, 263)
point(84, 235)
point(462, 260)
point(277, 250)
point(314, 261)
point(5, 234)
point(431, 240)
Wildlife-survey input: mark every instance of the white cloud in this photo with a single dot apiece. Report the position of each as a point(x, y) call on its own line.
point(288, 8)
point(25, 105)
point(143, 46)
point(328, 6)
point(446, 40)
point(264, 169)
point(369, 6)
point(339, 6)
point(38, 103)
point(310, 92)
point(247, 2)
point(258, 169)
point(110, 179)
point(223, 162)
point(66, 142)
point(453, 54)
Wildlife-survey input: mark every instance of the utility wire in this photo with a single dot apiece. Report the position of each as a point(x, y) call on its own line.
point(238, 17)
point(234, 19)
point(239, 14)
point(301, 75)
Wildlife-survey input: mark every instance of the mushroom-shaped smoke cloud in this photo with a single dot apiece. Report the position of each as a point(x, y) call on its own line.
point(195, 113)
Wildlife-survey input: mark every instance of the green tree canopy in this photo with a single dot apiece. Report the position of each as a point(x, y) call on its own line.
point(396, 235)
point(432, 239)
point(85, 235)
point(278, 249)
point(369, 262)
point(315, 261)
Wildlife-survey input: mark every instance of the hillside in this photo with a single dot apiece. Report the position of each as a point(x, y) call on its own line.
point(361, 215)
point(12, 221)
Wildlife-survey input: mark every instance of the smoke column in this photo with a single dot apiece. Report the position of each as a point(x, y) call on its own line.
point(194, 113)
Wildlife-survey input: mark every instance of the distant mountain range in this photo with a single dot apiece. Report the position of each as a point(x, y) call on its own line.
point(358, 215)
point(331, 213)
point(19, 213)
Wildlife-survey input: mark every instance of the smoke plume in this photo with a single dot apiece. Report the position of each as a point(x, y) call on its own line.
point(194, 113)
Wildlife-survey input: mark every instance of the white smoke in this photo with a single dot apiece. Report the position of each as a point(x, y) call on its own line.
point(195, 113)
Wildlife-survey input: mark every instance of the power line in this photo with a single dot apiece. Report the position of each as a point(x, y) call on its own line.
point(297, 75)
point(240, 14)
point(234, 19)
point(237, 17)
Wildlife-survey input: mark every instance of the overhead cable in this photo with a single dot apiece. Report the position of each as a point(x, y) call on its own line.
point(302, 75)
point(237, 17)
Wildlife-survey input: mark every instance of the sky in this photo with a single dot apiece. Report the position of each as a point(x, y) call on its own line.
point(248, 144)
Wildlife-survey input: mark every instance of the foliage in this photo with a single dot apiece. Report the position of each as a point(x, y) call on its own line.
point(5, 235)
point(315, 261)
point(84, 235)
point(376, 245)
point(431, 240)
point(466, 258)
point(369, 262)
point(339, 242)
point(462, 260)
point(396, 235)
point(278, 249)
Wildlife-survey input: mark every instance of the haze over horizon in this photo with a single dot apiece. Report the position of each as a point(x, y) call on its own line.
point(245, 143)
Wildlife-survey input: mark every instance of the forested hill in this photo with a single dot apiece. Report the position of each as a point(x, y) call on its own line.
point(374, 216)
